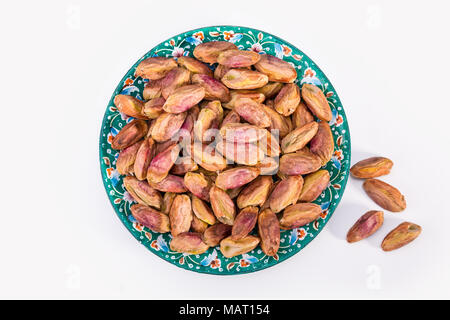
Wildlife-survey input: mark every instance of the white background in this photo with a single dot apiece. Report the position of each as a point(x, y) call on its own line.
point(60, 62)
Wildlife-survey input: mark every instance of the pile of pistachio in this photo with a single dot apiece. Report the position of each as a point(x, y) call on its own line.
point(212, 155)
point(387, 197)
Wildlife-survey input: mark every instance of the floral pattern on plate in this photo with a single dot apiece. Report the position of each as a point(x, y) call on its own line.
point(212, 261)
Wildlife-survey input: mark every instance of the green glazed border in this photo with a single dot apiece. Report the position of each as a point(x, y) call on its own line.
point(292, 241)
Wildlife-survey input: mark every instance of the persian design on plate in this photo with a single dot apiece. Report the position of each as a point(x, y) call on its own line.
point(212, 261)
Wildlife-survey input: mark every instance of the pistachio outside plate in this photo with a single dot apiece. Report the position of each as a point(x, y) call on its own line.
point(212, 261)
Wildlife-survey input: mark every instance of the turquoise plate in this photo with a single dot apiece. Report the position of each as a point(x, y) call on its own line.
point(212, 261)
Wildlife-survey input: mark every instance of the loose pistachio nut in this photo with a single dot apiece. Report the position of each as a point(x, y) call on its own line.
point(130, 134)
point(238, 58)
point(255, 193)
point(202, 211)
point(244, 79)
point(285, 193)
point(244, 223)
point(194, 66)
point(180, 214)
point(231, 248)
point(385, 195)
point(155, 68)
point(215, 233)
point(222, 205)
point(322, 144)
point(150, 218)
point(403, 234)
point(209, 51)
point(129, 105)
point(371, 168)
point(127, 157)
point(269, 232)
point(276, 69)
point(184, 98)
point(365, 226)
point(316, 102)
point(314, 184)
point(236, 177)
point(297, 215)
point(188, 242)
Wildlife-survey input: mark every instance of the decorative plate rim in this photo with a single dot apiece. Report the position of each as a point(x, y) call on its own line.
point(241, 271)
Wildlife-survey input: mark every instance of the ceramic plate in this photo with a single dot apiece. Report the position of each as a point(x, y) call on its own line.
point(212, 261)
